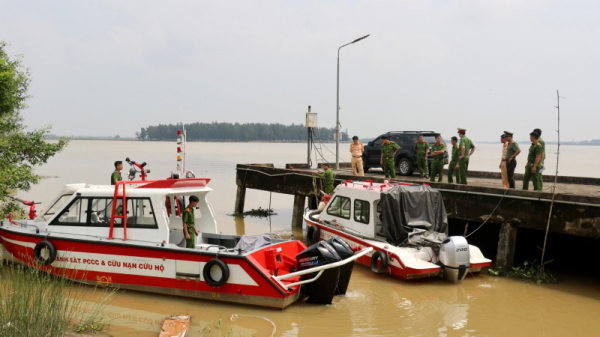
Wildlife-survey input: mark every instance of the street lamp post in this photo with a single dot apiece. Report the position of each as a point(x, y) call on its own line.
point(337, 111)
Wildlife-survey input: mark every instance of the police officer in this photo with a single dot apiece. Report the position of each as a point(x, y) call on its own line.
point(543, 144)
point(534, 164)
point(466, 150)
point(116, 176)
point(388, 153)
point(453, 166)
point(422, 150)
point(437, 151)
point(512, 151)
point(189, 227)
point(327, 176)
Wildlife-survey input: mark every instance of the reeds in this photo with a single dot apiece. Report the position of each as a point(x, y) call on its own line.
point(36, 303)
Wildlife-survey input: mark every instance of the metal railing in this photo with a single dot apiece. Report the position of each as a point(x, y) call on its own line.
point(320, 269)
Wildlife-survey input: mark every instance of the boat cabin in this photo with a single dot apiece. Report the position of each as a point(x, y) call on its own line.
point(153, 211)
point(356, 206)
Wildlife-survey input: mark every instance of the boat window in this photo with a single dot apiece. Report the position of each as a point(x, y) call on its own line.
point(74, 214)
point(340, 206)
point(57, 206)
point(173, 203)
point(101, 211)
point(362, 211)
point(378, 219)
point(140, 213)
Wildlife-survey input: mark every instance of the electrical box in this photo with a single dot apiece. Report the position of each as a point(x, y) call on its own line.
point(311, 120)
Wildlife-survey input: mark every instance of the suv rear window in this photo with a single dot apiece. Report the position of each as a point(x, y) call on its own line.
point(428, 138)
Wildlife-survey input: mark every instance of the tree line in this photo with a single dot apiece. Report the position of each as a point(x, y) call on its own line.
point(236, 132)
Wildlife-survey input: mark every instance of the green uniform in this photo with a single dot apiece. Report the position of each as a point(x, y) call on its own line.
point(437, 166)
point(188, 218)
point(541, 141)
point(421, 148)
point(511, 149)
point(463, 164)
point(388, 150)
point(328, 180)
point(534, 150)
point(116, 176)
point(452, 171)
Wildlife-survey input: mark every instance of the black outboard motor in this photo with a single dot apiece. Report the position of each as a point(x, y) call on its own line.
point(323, 289)
point(345, 251)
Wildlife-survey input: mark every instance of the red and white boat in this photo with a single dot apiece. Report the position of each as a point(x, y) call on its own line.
point(83, 234)
point(405, 224)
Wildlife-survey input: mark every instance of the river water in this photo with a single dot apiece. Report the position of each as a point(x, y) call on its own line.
point(375, 305)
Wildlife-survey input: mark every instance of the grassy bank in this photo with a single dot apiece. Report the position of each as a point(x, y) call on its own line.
point(35, 303)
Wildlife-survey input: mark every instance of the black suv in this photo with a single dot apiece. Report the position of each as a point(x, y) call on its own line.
point(406, 158)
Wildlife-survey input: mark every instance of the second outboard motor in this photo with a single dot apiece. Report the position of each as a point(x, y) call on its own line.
point(345, 251)
point(455, 258)
point(323, 289)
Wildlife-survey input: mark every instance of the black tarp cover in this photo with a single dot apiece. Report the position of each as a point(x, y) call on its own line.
point(416, 206)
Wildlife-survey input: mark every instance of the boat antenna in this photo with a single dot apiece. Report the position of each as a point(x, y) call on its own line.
point(184, 141)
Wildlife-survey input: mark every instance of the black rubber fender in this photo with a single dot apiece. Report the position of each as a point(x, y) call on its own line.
point(313, 234)
point(382, 268)
point(37, 252)
point(224, 272)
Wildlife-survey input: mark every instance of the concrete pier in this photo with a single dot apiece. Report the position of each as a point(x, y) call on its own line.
point(576, 209)
point(240, 198)
point(299, 202)
point(507, 241)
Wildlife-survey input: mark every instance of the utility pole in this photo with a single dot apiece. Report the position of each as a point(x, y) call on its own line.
point(311, 123)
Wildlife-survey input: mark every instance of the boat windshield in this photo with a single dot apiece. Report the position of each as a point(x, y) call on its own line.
point(57, 206)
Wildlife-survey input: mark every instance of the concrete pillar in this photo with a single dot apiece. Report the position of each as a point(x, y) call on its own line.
point(507, 242)
point(240, 198)
point(312, 202)
point(299, 202)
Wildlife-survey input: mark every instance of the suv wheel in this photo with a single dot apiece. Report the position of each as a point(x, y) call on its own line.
point(404, 167)
point(365, 166)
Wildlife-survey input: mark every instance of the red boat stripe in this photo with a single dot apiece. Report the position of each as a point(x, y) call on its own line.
point(168, 254)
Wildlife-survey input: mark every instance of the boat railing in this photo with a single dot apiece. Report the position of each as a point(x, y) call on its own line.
point(123, 197)
point(320, 269)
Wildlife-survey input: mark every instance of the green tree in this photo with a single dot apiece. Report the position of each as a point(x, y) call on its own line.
point(20, 151)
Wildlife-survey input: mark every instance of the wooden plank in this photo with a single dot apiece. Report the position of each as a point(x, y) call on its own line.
point(175, 326)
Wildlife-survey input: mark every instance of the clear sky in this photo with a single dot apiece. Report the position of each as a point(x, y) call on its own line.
point(110, 67)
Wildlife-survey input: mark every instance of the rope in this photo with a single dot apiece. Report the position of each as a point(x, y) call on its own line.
point(323, 145)
point(282, 174)
point(489, 216)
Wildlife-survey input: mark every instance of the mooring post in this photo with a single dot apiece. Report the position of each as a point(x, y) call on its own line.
point(299, 202)
point(507, 242)
point(240, 198)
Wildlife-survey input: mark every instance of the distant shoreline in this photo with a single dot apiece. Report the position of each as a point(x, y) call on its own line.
point(280, 141)
point(197, 141)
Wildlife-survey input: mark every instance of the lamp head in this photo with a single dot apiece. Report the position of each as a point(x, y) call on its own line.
point(360, 38)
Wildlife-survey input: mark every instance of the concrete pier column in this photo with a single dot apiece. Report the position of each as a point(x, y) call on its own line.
point(240, 198)
point(299, 202)
point(312, 202)
point(507, 242)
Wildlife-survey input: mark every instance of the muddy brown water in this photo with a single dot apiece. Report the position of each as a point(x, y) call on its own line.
point(375, 305)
